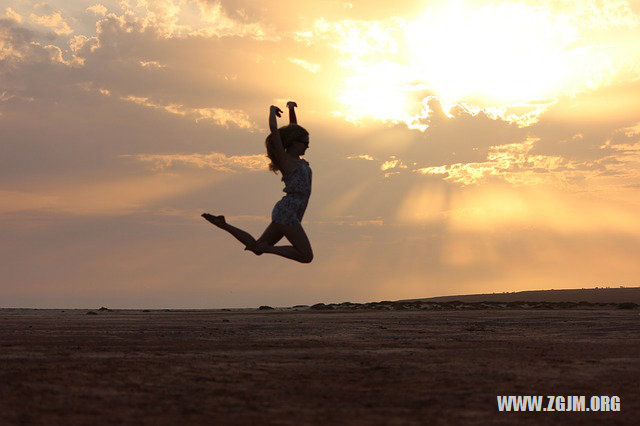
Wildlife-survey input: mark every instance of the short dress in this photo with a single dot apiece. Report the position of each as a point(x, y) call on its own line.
point(290, 209)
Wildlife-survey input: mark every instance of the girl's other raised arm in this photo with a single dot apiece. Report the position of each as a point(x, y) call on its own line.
point(292, 112)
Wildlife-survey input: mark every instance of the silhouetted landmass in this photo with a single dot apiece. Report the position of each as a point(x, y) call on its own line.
point(592, 295)
point(594, 298)
point(458, 305)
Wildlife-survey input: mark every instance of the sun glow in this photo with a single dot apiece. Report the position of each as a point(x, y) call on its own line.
point(388, 101)
point(505, 53)
point(511, 60)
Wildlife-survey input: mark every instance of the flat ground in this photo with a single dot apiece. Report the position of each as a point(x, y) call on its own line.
point(312, 367)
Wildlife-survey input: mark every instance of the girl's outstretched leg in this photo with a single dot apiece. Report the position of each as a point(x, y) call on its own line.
point(240, 235)
point(300, 250)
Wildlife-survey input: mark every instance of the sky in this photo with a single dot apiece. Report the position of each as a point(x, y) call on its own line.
point(457, 147)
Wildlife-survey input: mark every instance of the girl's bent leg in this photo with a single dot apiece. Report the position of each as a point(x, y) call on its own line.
point(271, 235)
point(300, 250)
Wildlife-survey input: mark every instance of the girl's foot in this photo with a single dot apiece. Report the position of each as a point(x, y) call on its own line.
point(257, 248)
point(216, 220)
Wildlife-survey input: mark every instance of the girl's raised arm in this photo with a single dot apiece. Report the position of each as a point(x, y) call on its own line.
point(292, 112)
point(282, 158)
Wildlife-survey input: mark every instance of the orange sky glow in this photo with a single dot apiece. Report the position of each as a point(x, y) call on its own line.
point(457, 147)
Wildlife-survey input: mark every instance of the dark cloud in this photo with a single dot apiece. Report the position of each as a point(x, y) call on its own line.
point(577, 135)
point(463, 138)
point(54, 118)
point(13, 35)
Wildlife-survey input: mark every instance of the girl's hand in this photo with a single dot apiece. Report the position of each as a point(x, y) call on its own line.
point(274, 110)
point(292, 112)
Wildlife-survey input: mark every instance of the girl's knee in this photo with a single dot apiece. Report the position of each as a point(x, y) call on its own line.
point(307, 257)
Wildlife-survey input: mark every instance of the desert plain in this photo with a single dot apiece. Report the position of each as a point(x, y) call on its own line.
point(328, 365)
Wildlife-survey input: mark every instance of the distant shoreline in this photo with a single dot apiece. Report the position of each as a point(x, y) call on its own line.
point(586, 298)
point(591, 295)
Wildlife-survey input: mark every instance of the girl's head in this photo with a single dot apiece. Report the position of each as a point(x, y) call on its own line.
point(295, 140)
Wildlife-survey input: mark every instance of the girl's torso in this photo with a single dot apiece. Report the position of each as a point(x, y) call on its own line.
point(298, 180)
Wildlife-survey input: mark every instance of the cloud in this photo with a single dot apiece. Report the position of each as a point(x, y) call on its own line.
point(517, 165)
point(152, 64)
point(221, 23)
point(219, 116)
point(101, 105)
point(469, 147)
point(12, 14)
point(390, 164)
point(361, 157)
point(14, 41)
point(216, 161)
point(97, 9)
point(459, 136)
point(314, 68)
point(55, 21)
point(594, 15)
point(581, 128)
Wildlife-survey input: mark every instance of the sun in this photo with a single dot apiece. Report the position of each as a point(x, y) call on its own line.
point(498, 54)
point(508, 59)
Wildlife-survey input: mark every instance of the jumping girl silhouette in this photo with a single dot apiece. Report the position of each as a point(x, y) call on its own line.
point(284, 148)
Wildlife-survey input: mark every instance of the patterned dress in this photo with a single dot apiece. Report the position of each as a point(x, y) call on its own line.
point(290, 209)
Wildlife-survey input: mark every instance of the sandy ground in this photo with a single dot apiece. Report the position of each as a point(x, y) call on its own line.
point(312, 367)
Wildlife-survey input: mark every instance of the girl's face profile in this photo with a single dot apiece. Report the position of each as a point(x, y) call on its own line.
point(301, 145)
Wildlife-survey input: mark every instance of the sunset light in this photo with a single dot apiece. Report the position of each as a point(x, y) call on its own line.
point(450, 141)
point(511, 60)
point(500, 54)
point(319, 212)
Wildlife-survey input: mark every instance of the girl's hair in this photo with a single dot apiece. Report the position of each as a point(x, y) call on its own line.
point(288, 134)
